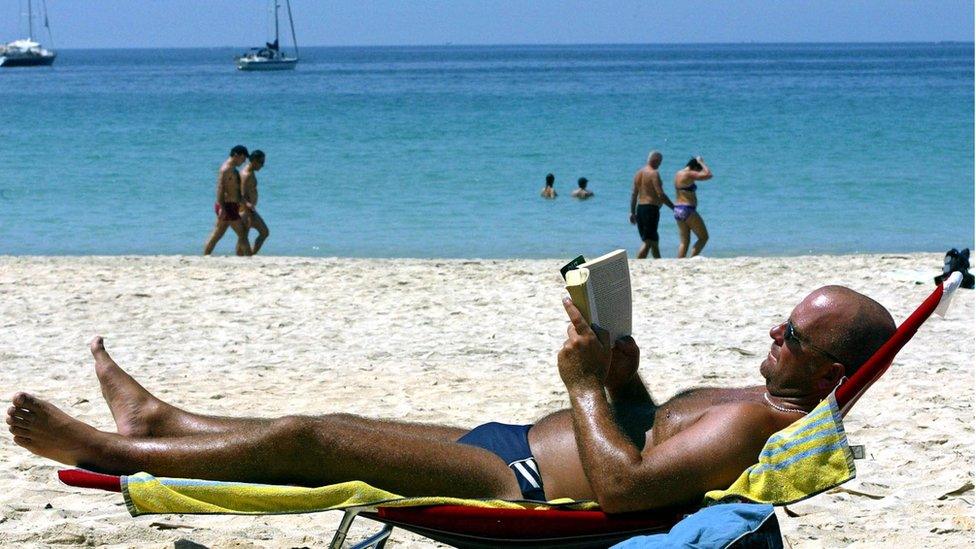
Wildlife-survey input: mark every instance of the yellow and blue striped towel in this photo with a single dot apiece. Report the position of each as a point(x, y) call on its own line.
point(808, 457)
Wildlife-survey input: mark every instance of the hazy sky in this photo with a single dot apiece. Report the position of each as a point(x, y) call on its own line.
point(201, 23)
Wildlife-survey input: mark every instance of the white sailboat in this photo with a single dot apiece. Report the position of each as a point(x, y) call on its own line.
point(27, 52)
point(271, 57)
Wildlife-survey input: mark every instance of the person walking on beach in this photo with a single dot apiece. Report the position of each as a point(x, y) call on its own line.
point(549, 191)
point(228, 202)
point(686, 204)
point(581, 192)
point(249, 200)
point(645, 205)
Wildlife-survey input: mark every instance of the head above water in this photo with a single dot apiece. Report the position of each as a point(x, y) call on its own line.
point(257, 159)
point(827, 337)
point(582, 182)
point(694, 165)
point(550, 179)
point(654, 159)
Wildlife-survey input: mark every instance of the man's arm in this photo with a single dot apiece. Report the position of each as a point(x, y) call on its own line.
point(220, 185)
point(633, 198)
point(631, 403)
point(659, 189)
point(710, 454)
point(247, 196)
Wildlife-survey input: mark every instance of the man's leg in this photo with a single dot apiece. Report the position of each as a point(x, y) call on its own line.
point(655, 220)
point(258, 223)
point(219, 229)
point(308, 451)
point(645, 247)
point(243, 247)
point(139, 413)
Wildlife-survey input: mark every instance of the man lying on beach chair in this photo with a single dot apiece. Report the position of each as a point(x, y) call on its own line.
point(614, 446)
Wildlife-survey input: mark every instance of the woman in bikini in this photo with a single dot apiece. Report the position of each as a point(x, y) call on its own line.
point(687, 202)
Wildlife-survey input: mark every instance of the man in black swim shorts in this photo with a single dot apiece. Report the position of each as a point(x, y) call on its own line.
point(645, 205)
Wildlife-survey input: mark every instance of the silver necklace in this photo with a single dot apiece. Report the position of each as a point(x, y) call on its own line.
point(782, 409)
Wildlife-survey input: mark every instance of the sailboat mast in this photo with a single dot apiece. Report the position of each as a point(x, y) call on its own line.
point(30, 20)
point(291, 23)
point(47, 25)
point(276, 22)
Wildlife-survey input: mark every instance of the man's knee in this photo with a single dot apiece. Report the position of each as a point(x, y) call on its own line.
point(343, 417)
point(298, 429)
point(308, 428)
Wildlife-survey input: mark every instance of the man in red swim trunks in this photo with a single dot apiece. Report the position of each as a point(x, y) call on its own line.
point(228, 202)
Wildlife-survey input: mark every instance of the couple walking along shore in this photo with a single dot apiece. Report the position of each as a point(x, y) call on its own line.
point(649, 195)
point(237, 199)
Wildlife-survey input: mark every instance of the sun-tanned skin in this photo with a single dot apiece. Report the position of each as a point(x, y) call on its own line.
point(694, 224)
point(249, 200)
point(648, 190)
point(614, 445)
point(229, 191)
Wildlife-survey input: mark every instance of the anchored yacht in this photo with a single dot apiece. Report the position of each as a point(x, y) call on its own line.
point(271, 57)
point(27, 52)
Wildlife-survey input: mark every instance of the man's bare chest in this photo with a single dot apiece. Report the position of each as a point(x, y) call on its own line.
point(687, 407)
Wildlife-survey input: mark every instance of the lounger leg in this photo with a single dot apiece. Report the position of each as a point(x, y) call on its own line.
point(340, 536)
point(376, 541)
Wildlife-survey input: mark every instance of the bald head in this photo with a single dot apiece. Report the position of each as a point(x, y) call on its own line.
point(654, 159)
point(852, 326)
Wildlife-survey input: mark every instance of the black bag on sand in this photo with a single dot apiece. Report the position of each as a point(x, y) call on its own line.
point(956, 261)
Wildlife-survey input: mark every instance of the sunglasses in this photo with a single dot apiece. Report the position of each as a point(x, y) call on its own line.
point(792, 335)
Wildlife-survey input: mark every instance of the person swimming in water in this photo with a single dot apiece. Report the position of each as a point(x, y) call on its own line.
point(686, 205)
point(549, 191)
point(582, 193)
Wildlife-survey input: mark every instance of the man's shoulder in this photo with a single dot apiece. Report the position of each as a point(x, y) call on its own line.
point(744, 416)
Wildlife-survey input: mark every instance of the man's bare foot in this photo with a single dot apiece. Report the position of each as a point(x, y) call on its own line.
point(46, 431)
point(134, 408)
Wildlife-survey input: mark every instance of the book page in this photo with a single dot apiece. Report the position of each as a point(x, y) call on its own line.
point(608, 287)
point(576, 286)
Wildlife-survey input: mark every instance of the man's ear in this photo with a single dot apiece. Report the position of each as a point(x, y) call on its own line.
point(831, 376)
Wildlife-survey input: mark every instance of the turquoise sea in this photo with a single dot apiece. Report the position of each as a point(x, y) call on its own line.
point(441, 151)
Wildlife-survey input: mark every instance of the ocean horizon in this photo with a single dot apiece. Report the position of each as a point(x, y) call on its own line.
point(241, 48)
point(440, 151)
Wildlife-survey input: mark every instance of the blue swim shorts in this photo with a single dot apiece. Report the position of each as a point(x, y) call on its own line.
point(511, 443)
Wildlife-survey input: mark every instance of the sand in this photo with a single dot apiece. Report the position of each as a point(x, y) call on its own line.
point(459, 342)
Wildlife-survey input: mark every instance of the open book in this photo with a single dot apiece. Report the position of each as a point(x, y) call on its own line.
point(600, 289)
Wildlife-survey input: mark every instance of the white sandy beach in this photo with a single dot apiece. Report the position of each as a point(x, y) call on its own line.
point(459, 342)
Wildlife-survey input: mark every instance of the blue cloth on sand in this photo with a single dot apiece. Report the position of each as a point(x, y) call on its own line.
point(739, 525)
